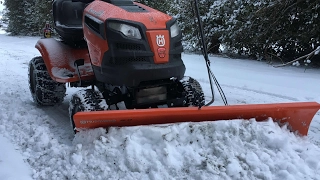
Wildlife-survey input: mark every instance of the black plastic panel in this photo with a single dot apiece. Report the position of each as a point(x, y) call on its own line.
point(127, 5)
point(68, 19)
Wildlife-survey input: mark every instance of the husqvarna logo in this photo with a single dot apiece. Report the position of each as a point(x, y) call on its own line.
point(161, 41)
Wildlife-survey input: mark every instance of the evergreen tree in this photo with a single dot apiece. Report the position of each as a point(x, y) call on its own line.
point(286, 29)
point(16, 17)
point(161, 5)
point(27, 17)
point(185, 11)
point(259, 28)
point(41, 12)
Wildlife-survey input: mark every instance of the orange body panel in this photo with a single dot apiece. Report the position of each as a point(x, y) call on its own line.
point(59, 59)
point(150, 19)
point(297, 115)
point(153, 20)
point(159, 45)
point(96, 45)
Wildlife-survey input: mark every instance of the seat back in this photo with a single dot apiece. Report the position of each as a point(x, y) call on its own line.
point(68, 13)
point(67, 17)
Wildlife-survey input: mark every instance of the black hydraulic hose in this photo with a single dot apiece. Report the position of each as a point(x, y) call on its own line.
point(206, 57)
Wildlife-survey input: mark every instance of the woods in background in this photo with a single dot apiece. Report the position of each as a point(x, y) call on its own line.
point(263, 29)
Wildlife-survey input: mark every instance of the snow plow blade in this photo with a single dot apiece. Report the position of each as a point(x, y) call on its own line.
point(297, 115)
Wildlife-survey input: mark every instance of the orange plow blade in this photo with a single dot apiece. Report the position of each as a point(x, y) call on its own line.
point(298, 115)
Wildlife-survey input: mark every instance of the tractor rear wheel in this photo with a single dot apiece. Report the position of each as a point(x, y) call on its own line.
point(44, 90)
point(194, 94)
point(85, 100)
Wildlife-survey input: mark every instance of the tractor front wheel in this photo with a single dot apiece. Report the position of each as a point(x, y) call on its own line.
point(85, 100)
point(194, 94)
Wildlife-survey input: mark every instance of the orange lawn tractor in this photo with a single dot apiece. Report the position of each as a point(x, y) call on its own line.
point(120, 51)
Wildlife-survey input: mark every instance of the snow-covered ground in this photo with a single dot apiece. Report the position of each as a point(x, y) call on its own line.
point(37, 143)
point(1, 7)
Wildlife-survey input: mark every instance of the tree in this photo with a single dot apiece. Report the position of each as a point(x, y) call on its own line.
point(286, 29)
point(161, 5)
point(184, 10)
point(27, 17)
point(258, 28)
point(41, 13)
point(16, 17)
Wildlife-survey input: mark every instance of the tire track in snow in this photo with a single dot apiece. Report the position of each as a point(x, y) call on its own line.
point(250, 90)
point(16, 87)
point(54, 117)
point(262, 92)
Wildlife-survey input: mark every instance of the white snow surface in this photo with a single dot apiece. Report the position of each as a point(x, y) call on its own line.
point(12, 165)
point(1, 7)
point(38, 142)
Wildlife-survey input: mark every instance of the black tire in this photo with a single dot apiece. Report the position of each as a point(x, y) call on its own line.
point(85, 100)
point(44, 90)
point(194, 94)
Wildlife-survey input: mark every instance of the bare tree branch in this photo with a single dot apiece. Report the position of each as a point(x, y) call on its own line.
point(271, 54)
point(307, 56)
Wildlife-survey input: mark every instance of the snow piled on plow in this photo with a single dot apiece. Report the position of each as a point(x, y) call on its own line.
point(235, 149)
point(217, 150)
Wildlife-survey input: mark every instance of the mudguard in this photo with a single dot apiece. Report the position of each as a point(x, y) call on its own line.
point(297, 116)
point(59, 59)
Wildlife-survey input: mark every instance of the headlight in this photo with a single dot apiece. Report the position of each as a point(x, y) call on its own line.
point(126, 30)
point(174, 30)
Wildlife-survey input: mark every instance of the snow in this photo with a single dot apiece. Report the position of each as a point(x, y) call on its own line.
point(62, 73)
point(38, 142)
point(11, 162)
point(1, 7)
point(317, 51)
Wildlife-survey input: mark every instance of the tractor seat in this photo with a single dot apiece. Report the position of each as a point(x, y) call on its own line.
point(68, 20)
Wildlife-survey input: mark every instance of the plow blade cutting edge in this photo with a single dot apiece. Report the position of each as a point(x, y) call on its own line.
point(297, 115)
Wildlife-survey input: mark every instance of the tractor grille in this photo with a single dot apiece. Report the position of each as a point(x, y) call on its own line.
point(132, 47)
point(126, 60)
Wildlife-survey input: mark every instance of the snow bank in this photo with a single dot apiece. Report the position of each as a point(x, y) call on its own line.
point(225, 149)
point(208, 150)
point(11, 163)
point(217, 150)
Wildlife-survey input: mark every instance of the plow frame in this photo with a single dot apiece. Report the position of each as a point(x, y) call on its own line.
point(297, 115)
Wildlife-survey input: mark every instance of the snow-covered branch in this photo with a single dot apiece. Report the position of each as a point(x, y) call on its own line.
point(307, 57)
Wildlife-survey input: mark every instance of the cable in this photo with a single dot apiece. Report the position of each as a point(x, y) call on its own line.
point(224, 99)
point(205, 54)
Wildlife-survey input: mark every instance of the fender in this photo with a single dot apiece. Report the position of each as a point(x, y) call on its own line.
point(59, 60)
